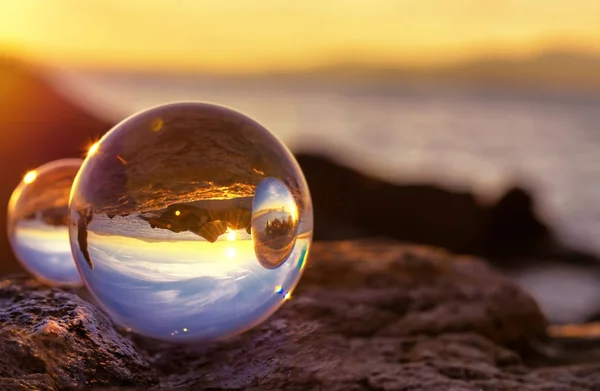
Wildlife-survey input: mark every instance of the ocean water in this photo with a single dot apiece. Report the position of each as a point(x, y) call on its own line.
point(466, 138)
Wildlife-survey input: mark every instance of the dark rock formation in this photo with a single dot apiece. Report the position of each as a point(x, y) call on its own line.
point(350, 204)
point(51, 339)
point(366, 316)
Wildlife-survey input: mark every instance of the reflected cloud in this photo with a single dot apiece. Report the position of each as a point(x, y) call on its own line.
point(198, 287)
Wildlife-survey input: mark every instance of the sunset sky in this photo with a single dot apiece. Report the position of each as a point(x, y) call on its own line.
point(259, 35)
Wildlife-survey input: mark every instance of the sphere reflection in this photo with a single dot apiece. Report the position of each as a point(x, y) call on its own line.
point(163, 214)
point(274, 223)
point(37, 222)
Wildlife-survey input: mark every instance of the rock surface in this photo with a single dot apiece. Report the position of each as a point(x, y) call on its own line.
point(366, 316)
point(52, 339)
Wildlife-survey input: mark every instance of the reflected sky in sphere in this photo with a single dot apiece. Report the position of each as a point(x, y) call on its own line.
point(37, 222)
point(173, 215)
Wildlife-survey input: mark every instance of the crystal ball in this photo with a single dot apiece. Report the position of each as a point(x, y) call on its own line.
point(38, 222)
point(190, 222)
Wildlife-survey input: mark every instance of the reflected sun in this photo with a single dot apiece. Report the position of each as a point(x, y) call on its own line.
point(231, 235)
point(230, 252)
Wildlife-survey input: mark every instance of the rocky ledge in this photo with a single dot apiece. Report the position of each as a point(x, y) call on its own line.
point(366, 316)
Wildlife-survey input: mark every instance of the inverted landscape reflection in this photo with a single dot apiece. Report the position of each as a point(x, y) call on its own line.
point(199, 234)
point(208, 289)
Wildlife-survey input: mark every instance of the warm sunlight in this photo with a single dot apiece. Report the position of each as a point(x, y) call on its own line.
point(230, 252)
point(270, 34)
point(93, 149)
point(30, 177)
point(231, 235)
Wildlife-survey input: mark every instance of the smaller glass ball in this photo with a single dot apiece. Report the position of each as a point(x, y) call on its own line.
point(38, 222)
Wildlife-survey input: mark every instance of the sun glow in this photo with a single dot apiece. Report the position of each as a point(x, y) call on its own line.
point(93, 149)
point(30, 177)
point(114, 33)
point(230, 252)
point(231, 235)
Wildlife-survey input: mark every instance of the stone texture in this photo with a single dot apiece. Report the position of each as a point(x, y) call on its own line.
point(366, 316)
point(52, 339)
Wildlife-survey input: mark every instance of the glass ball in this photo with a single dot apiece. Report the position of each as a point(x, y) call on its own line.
point(190, 222)
point(37, 222)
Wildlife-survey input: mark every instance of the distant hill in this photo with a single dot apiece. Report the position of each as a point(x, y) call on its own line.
point(570, 70)
point(552, 69)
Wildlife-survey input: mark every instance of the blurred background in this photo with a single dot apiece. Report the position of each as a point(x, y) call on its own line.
point(469, 95)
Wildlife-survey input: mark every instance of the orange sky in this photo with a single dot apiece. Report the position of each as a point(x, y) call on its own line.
point(258, 35)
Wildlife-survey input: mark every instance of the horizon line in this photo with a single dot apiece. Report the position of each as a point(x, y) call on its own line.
point(342, 62)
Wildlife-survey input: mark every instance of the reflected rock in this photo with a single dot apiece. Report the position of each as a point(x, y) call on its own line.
point(205, 219)
point(274, 223)
point(85, 217)
point(56, 216)
point(212, 230)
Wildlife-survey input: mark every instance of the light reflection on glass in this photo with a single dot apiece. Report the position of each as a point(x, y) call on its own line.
point(29, 177)
point(93, 149)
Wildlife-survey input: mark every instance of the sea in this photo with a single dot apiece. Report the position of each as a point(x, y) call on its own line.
point(480, 139)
